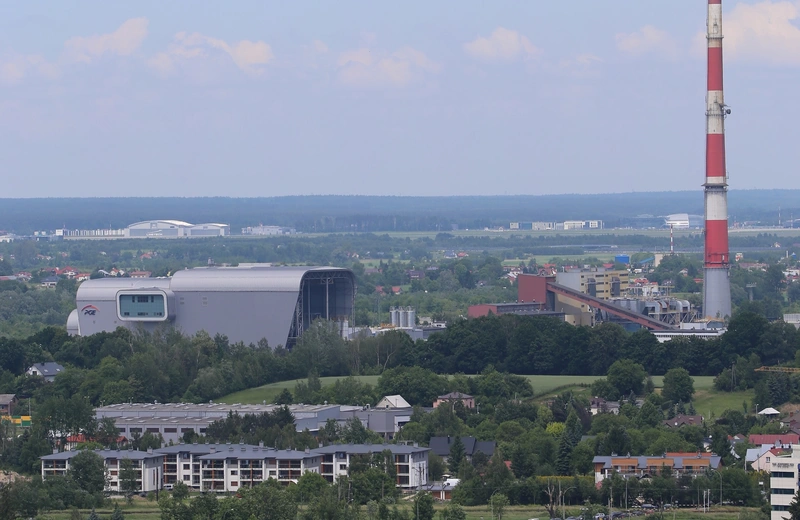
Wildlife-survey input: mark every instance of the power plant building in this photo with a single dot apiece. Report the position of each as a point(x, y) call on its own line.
point(243, 303)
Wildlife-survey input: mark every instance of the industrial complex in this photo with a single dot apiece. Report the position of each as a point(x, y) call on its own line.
point(246, 304)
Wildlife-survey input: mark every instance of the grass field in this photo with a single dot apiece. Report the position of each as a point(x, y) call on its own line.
point(706, 401)
point(146, 510)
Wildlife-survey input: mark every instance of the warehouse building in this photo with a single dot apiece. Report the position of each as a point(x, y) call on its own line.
point(173, 420)
point(174, 229)
point(243, 303)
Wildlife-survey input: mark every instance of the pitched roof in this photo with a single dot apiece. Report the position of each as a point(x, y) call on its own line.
point(775, 438)
point(49, 368)
point(441, 446)
point(455, 395)
point(394, 401)
point(684, 420)
point(6, 399)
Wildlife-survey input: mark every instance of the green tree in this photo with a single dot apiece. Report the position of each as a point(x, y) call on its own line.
point(678, 386)
point(117, 513)
point(310, 485)
point(627, 376)
point(498, 503)
point(423, 506)
point(180, 491)
point(452, 511)
point(285, 397)
point(436, 466)
point(457, 455)
point(87, 470)
point(93, 515)
point(128, 475)
point(794, 507)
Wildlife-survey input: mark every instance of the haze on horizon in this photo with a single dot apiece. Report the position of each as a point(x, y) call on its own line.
point(445, 98)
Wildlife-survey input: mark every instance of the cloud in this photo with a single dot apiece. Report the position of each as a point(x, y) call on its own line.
point(765, 32)
point(648, 40)
point(503, 45)
point(14, 69)
point(249, 56)
point(366, 67)
point(122, 42)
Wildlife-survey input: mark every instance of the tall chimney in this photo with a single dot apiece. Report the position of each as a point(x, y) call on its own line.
point(716, 282)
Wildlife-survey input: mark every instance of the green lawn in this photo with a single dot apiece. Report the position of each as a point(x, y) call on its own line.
point(269, 392)
point(707, 400)
point(145, 510)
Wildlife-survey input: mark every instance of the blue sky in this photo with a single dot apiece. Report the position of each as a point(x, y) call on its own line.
point(254, 98)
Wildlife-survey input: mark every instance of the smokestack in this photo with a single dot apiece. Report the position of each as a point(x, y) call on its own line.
point(716, 282)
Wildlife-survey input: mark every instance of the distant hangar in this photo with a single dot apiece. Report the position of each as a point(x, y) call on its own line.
point(175, 229)
point(243, 303)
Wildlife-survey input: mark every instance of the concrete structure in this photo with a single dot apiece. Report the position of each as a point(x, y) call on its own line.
point(641, 466)
point(403, 317)
point(148, 466)
point(455, 397)
point(175, 229)
point(716, 282)
point(267, 230)
point(244, 303)
point(784, 469)
point(519, 308)
point(174, 420)
point(48, 370)
point(666, 335)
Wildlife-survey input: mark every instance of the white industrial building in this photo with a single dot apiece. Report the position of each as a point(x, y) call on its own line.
point(175, 229)
point(244, 303)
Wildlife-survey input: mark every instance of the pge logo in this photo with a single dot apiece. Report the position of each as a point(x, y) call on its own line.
point(89, 310)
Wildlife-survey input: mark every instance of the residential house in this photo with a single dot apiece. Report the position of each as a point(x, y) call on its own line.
point(48, 370)
point(73, 441)
point(764, 460)
point(455, 397)
point(50, 281)
point(774, 439)
point(684, 420)
point(441, 446)
point(443, 491)
point(393, 401)
point(146, 464)
point(140, 274)
point(415, 274)
point(599, 405)
point(7, 402)
point(643, 466)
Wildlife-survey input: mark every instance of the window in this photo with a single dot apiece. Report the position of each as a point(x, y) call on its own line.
point(342, 467)
point(186, 478)
point(186, 467)
point(780, 508)
point(782, 491)
point(782, 474)
point(234, 472)
point(170, 430)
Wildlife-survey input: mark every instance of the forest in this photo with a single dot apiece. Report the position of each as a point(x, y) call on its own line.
point(381, 213)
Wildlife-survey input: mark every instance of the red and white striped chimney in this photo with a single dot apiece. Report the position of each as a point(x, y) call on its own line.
point(716, 282)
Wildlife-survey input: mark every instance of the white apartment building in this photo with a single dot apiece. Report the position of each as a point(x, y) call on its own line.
point(148, 466)
point(784, 469)
point(230, 467)
point(410, 462)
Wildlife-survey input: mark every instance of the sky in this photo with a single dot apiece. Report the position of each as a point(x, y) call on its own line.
point(455, 97)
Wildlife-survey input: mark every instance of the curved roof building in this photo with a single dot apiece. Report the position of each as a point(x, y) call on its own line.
point(243, 303)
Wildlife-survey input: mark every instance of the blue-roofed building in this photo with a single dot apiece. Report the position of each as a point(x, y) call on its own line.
point(147, 464)
point(48, 370)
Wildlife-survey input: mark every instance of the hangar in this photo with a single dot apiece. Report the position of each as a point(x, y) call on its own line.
point(243, 303)
point(174, 229)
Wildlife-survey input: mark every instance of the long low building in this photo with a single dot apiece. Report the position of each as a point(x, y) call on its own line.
point(245, 304)
point(174, 420)
point(231, 467)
